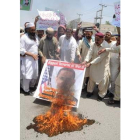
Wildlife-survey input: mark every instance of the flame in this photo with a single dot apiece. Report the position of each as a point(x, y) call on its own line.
point(59, 118)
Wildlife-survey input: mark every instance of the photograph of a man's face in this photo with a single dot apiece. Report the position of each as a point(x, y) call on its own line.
point(59, 81)
point(65, 79)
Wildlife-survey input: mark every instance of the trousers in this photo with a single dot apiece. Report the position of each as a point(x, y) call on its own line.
point(117, 89)
point(27, 83)
point(102, 86)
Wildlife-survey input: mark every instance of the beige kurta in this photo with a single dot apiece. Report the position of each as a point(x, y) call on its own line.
point(99, 65)
point(117, 89)
point(116, 49)
point(82, 50)
point(49, 48)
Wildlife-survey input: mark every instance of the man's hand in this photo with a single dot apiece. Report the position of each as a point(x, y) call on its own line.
point(43, 59)
point(79, 25)
point(83, 63)
point(80, 58)
point(95, 28)
point(58, 50)
point(88, 64)
point(72, 61)
point(101, 51)
point(35, 57)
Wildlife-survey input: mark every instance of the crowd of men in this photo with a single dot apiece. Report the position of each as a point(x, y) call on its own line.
point(99, 52)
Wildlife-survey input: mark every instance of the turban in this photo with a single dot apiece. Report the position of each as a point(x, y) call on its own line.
point(28, 25)
point(50, 30)
point(99, 34)
point(116, 35)
point(62, 27)
point(90, 29)
point(109, 32)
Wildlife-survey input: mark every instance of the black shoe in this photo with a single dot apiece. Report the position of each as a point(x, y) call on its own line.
point(84, 90)
point(99, 98)
point(89, 94)
point(21, 90)
point(111, 95)
point(33, 88)
point(28, 93)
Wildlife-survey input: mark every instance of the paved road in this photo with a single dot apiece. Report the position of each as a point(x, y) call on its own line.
point(107, 126)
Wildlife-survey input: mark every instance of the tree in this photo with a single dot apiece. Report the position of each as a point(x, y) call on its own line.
point(107, 22)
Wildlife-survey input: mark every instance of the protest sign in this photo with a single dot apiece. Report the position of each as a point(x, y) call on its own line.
point(61, 78)
point(116, 20)
point(47, 19)
point(25, 5)
point(60, 14)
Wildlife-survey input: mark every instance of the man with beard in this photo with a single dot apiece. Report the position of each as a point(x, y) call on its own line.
point(29, 67)
point(83, 48)
point(114, 62)
point(99, 68)
point(49, 46)
point(116, 85)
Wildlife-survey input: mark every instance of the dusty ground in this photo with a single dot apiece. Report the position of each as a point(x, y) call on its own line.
point(107, 126)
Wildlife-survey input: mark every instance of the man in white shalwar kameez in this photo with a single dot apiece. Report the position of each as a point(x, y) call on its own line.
point(99, 68)
point(67, 46)
point(29, 67)
point(83, 48)
point(114, 49)
point(114, 62)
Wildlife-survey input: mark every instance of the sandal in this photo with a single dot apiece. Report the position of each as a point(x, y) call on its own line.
point(113, 102)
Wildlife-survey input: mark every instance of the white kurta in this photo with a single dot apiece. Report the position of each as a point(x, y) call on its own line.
point(67, 48)
point(116, 49)
point(29, 66)
point(82, 50)
point(114, 65)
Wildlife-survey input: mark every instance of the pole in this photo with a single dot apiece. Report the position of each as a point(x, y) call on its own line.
point(101, 14)
point(79, 16)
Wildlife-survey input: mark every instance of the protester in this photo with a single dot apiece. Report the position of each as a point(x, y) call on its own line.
point(68, 46)
point(21, 31)
point(114, 49)
point(29, 67)
point(61, 31)
point(83, 48)
point(99, 68)
point(25, 29)
point(49, 46)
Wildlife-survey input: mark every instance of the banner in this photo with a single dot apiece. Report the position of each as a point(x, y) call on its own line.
point(116, 20)
point(60, 14)
point(47, 19)
point(25, 5)
point(61, 79)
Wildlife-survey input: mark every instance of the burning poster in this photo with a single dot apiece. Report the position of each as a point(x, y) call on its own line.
point(61, 80)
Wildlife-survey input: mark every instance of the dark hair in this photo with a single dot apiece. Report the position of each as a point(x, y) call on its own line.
point(67, 69)
point(25, 23)
point(69, 29)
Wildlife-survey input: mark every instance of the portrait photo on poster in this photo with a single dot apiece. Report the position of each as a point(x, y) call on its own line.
point(61, 80)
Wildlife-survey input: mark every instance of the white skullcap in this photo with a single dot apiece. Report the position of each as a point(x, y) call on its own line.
point(50, 30)
point(28, 25)
point(21, 28)
point(74, 30)
point(109, 32)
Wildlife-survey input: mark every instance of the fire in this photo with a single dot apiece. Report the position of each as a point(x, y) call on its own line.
point(59, 119)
